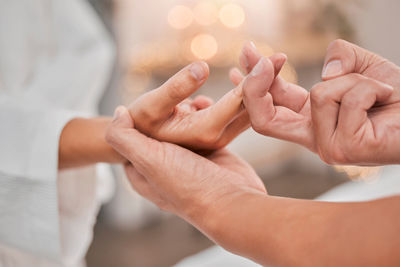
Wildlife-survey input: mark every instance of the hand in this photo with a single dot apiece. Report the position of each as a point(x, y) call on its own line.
point(356, 117)
point(276, 107)
point(167, 114)
point(283, 120)
point(176, 179)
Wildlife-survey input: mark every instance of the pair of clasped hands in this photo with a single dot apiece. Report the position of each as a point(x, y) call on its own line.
point(351, 117)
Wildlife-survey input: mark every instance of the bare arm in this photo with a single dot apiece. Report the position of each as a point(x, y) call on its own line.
point(224, 198)
point(289, 232)
point(82, 142)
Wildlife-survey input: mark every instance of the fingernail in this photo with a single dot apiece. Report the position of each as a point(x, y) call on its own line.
point(333, 69)
point(253, 45)
point(117, 113)
point(197, 71)
point(259, 68)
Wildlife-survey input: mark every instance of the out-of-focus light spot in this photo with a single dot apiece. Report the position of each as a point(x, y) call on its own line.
point(204, 46)
point(232, 15)
point(205, 13)
point(180, 17)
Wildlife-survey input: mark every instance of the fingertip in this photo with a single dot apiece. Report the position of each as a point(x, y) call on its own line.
point(236, 76)
point(264, 66)
point(122, 117)
point(278, 60)
point(259, 81)
point(199, 71)
point(249, 56)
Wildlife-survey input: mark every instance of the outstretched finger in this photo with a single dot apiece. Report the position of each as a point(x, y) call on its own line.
point(161, 102)
point(284, 93)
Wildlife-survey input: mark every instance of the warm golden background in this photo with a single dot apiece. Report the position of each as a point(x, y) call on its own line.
point(155, 38)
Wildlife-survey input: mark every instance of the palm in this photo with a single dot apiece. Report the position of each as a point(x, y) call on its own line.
point(198, 127)
point(233, 164)
point(168, 114)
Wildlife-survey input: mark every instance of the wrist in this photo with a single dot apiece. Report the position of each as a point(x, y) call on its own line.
point(82, 142)
point(216, 218)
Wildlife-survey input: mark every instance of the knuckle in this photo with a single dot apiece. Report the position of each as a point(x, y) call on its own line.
point(258, 125)
point(333, 155)
point(337, 44)
point(339, 156)
point(141, 110)
point(318, 94)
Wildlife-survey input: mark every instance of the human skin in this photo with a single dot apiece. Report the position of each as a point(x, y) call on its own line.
point(355, 110)
point(225, 199)
point(167, 114)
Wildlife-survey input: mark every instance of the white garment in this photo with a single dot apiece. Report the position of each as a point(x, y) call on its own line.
point(55, 61)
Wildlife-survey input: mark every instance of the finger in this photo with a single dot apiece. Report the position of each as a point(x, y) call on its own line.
point(288, 95)
point(267, 119)
point(202, 102)
point(219, 115)
point(257, 100)
point(284, 93)
point(236, 76)
point(343, 58)
point(161, 102)
point(355, 104)
point(187, 106)
point(250, 56)
point(122, 119)
point(130, 143)
point(325, 104)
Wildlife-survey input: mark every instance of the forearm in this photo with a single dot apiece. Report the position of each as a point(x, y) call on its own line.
point(82, 142)
point(289, 232)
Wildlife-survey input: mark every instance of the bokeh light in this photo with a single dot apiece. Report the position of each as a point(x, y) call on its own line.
point(204, 46)
point(180, 17)
point(232, 15)
point(206, 13)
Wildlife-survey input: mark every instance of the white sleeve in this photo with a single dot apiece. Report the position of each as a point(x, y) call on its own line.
point(29, 139)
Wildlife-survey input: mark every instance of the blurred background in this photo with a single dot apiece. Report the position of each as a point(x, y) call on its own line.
point(154, 39)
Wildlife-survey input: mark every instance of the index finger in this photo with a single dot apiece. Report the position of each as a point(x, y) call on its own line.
point(285, 94)
point(163, 100)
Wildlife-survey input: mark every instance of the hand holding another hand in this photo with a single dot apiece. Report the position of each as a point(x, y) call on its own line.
point(178, 180)
point(168, 114)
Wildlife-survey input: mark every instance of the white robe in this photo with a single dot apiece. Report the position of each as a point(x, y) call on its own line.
point(55, 62)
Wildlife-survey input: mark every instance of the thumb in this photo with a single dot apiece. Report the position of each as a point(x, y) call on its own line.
point(122, 118)
point(257, 100)
point(129, 142)
point(343, 58)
